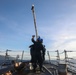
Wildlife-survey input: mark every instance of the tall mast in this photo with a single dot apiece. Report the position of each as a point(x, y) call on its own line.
point(34, 16)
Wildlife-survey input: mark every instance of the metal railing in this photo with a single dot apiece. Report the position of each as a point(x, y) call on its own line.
point(66, 59)
point(53, 57)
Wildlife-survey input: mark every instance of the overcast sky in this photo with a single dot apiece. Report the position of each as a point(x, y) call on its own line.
point(55, 19)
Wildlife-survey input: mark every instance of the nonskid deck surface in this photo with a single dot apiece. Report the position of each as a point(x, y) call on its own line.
point(22, 70)
point(48, 69)
point(27, 71)
point(31, 73)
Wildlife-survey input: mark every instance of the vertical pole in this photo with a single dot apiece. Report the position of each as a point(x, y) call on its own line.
point(6, 55)
point(65, 56)
point(34, 16)
point(48, 55)
point(58, 57)
point(22, 55)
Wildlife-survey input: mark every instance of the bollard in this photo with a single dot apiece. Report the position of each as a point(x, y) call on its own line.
point(30, 66)
point(62, 69)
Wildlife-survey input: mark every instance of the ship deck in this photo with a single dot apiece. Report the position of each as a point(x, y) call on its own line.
point(48, 69)
point(23, 70)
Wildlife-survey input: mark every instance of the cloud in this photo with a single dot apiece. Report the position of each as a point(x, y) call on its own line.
point(60, 35)
point(58, 32)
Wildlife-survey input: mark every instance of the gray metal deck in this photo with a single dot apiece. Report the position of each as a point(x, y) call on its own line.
point(24, 71)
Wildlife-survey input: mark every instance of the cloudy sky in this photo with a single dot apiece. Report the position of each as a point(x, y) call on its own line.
point(55, 19)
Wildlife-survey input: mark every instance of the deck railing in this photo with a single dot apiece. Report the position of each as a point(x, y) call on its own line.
point(54, 57)
point(64, 57)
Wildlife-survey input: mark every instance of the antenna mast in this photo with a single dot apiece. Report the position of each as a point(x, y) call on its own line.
point(34, 16)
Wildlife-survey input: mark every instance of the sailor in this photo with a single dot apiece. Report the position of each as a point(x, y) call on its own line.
point(44, 50)
point(39, 50)
point(32, 52)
